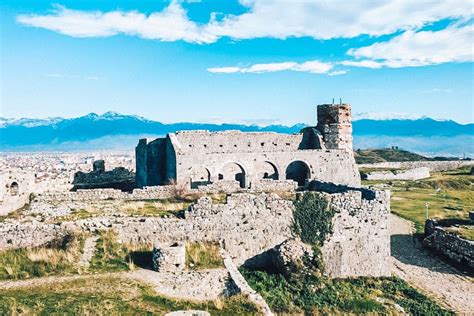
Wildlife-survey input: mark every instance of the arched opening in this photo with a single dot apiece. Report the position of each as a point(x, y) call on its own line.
point(14, 189)
point(200, 176)
point(298, 171)
point(267, 170)
point(233, 171)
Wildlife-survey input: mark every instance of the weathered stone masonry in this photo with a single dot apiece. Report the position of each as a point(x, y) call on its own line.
point(194, 158)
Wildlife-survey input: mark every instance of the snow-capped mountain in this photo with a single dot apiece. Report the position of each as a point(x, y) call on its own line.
point(44, 133)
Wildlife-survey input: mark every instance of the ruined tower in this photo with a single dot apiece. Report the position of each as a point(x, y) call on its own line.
point(335, 124)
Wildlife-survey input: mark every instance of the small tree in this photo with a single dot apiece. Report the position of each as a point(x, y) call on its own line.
point(313, 218)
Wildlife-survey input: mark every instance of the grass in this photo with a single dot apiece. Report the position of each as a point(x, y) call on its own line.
point(449, 194)
point(59, 258)
point(75, 215)
point(159, 208)
point(464, 231)
point(112, 256)
point(101, 295)
point(385, 154)
point(312, 294)
point(203, 256)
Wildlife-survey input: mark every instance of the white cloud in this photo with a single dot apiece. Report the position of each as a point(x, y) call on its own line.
point(313, 66)
point(337, 73)
point(413, 49)
point(224, 70)
point(322, 19)
point(319, 19)
point(171, 24)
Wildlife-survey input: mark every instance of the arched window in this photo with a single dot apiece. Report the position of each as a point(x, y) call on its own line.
point(14, 189)
point(267, 170)
point(200, 176)
point(233, 171)
point(298, 171)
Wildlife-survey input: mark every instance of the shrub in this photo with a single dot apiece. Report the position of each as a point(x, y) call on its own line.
point(313, 218)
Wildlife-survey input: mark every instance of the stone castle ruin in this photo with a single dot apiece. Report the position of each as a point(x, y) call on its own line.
point(117, 178)
point(253, 222)
point(199, 158)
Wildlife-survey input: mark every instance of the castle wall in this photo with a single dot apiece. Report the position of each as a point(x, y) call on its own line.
point(360, 244)
point(337, 166)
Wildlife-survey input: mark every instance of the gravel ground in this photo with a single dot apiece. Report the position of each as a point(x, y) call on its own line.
point(452, 288)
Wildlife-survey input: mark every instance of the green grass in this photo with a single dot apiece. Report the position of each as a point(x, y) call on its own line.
point(449, 194)
point(56, 259)
point(112, 256)
point(203, 256)
point(158, 208)
point(385, 154)
point(312, 294)
point(102, 295)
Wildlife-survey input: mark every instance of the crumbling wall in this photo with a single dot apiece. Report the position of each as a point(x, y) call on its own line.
point(14, 236)
point(433, 166)
point(451, 245)
point(404, 174)
point(117, 178)
point(360, 244)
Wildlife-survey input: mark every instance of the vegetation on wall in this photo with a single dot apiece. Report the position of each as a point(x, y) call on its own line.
point(313, 216)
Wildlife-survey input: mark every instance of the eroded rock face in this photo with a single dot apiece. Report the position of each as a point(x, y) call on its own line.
point(291, 255)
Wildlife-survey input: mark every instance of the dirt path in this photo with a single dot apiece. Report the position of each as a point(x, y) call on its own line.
point(414, 264)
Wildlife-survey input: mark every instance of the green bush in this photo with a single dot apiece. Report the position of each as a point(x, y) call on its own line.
point(313, 218)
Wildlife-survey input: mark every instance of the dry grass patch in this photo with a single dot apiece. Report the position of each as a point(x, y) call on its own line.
point(203, 256)
point(59, 257)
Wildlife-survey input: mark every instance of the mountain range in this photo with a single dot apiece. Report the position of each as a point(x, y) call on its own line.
point(87, 131)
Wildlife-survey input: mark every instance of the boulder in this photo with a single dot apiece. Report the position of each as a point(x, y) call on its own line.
point(291, 255)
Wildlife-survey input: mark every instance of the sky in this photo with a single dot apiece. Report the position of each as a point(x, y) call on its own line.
point(255, 62)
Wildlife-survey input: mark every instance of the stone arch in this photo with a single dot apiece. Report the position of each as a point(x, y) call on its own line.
point(298, 171)
point(199, 175)
point(233, 171)
point(267, 170)
point(14, 188)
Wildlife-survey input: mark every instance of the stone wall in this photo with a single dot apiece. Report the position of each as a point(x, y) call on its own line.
point(360, 244)
point(246, 226)
point(193, 158)
point(117, 178)
point(433, 166)
point(267, 185)
point(14, 236)
point(404, 174)
point(451, 245)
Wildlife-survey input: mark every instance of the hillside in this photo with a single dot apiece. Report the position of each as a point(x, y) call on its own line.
point(386, 154)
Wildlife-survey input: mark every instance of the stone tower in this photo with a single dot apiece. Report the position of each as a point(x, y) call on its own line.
point(335, 124)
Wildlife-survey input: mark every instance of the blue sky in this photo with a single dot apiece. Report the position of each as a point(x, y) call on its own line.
point(248, 62)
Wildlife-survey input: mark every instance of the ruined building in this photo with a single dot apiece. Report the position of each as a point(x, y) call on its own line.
point(196, 158)
point(117, 178)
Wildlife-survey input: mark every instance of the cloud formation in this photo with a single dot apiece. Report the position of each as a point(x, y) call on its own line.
point(319, 19)
point(314, 66)
point(171, 24)
point(413, 49)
